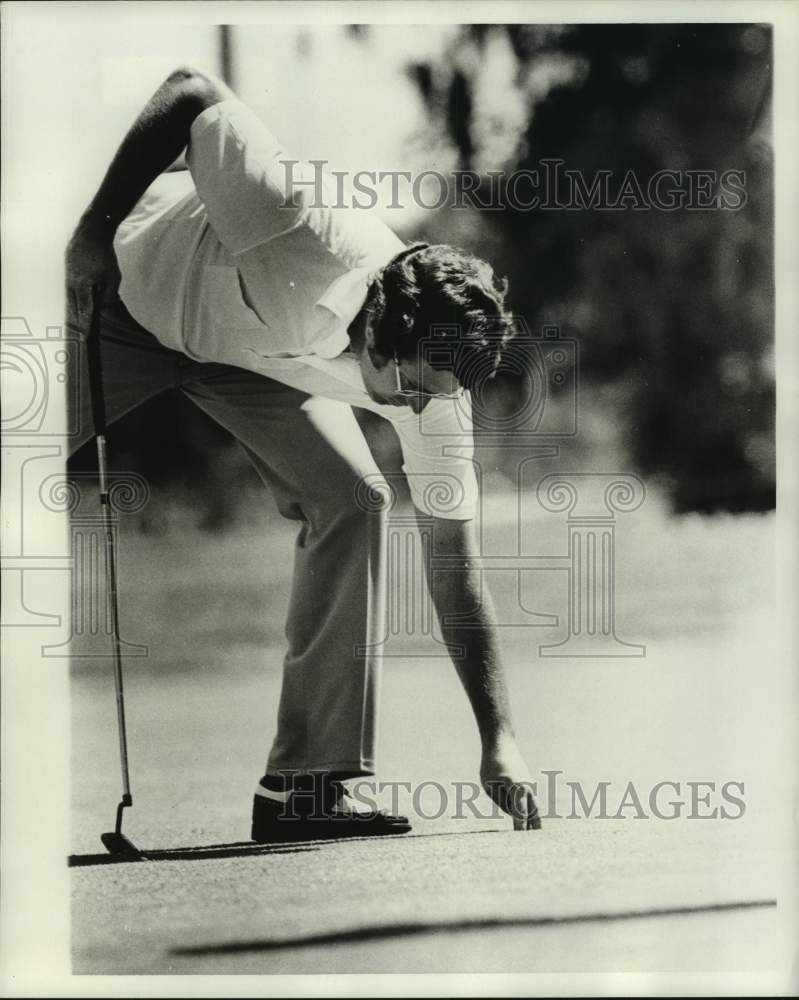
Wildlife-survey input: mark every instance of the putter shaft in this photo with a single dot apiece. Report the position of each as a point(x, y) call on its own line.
point(116, 842)
point(111, 577)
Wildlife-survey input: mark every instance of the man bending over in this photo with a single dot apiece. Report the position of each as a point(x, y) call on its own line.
point(276, 314)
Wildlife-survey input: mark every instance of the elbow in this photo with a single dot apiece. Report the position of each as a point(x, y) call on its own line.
point(183, 74)
point(196, 89)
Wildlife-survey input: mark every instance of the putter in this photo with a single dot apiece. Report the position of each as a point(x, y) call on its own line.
point(115, 842)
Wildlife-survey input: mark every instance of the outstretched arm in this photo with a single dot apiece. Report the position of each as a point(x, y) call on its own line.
point(458, 592)
point(156, 138)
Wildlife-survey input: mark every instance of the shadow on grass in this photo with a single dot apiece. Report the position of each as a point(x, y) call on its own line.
point(240, 849)
point(362, 934)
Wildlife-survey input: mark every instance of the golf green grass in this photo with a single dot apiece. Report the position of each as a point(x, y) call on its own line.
point(630, 893)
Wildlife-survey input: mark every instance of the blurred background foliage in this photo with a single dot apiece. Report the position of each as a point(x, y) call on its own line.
point(672, 311)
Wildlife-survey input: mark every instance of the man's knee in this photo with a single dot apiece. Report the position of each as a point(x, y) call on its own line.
point(353, 501)
point(372, 494)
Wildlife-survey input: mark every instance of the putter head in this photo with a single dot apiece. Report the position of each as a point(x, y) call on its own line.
point(118, 843)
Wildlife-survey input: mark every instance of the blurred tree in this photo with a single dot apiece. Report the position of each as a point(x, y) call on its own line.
point(675, 307)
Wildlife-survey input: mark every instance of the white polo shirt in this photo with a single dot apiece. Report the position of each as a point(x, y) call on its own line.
point(236, 261)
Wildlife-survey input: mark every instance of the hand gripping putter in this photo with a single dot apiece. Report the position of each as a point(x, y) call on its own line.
point(116, 842)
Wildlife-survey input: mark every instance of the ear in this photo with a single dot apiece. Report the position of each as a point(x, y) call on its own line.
point(368, 333)
point(377, 359)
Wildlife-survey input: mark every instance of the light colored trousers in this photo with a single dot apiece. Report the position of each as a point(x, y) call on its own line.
point(312, 454)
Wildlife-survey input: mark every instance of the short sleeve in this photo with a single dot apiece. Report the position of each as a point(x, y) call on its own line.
point(438, 458)
point(239, 170)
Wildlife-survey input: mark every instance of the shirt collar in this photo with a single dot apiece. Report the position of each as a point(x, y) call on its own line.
point(344, 299)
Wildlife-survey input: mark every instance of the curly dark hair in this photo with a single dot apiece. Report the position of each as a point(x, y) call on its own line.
point(442, 305)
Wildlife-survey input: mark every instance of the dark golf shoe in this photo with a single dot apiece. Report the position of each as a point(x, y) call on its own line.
point(316, 810)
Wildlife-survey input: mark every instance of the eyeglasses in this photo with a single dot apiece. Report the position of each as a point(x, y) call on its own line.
point(401, 390)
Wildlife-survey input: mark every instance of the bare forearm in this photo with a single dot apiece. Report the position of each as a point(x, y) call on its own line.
point(468, 624)
point(475, 650)
point(155, 140)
